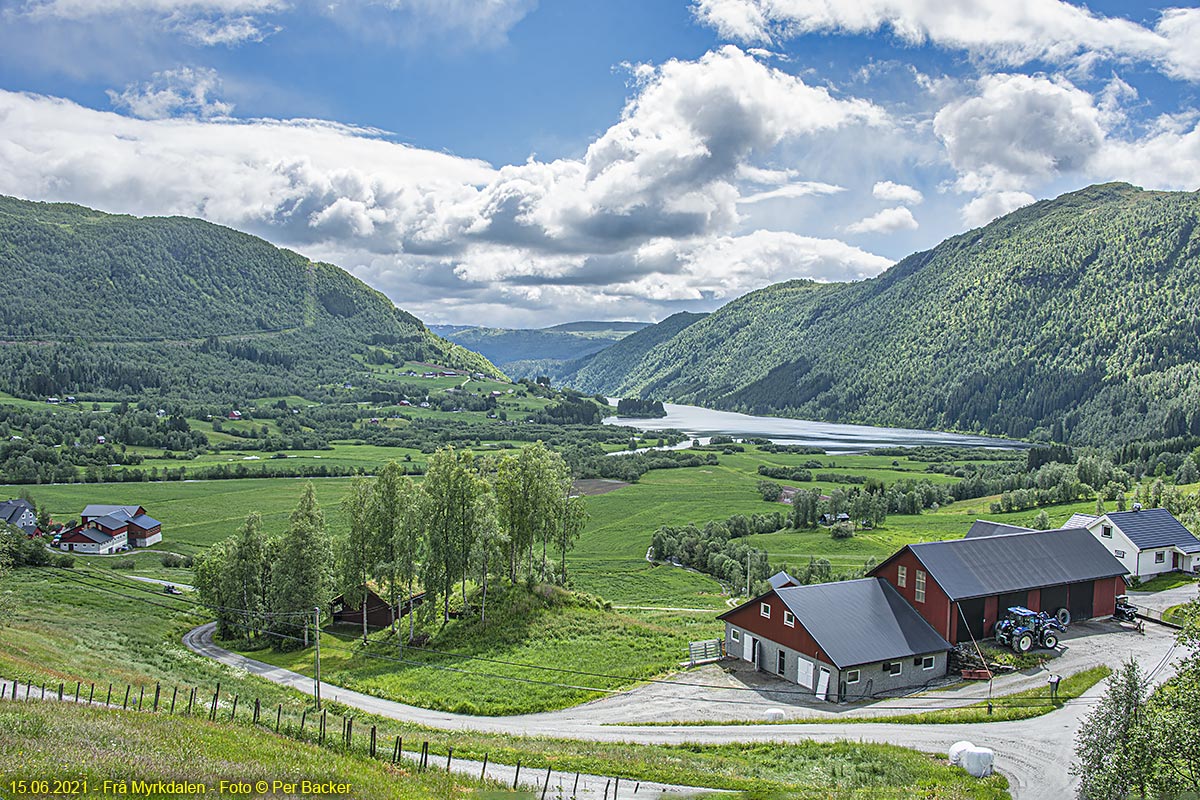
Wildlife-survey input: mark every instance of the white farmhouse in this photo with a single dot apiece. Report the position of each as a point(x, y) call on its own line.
point(1147, 542)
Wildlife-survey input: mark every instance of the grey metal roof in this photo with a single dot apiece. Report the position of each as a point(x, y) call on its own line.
point(145, 521)
point(97, 536)
point(112, 521)
point(1153, 527)
point(98, 510)
point(861, 622)
point(1014, 562)
point(781, 579)
point(1080, 520)
point(984, 527)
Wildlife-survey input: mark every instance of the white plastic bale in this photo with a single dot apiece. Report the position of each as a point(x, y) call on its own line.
point(956, 751)
point(978, 761)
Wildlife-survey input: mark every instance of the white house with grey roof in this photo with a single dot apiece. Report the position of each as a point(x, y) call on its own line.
point(841, 641)
point(1147, 541)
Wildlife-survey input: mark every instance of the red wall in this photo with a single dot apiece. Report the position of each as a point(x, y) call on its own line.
point(1034, 601)
point(750, 619)
point(937, 609)
point(1104, 596)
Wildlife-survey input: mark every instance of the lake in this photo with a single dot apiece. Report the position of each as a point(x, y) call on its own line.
point(834, 438)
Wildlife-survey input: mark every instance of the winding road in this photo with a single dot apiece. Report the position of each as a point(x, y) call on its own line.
point(1033, 754)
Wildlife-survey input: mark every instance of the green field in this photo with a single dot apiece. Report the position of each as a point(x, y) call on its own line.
point(130, 640)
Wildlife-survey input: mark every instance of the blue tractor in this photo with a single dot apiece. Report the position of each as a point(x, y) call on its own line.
point(1021, 629)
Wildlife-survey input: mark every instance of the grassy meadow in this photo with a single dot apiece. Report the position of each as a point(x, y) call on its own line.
point(130, 638)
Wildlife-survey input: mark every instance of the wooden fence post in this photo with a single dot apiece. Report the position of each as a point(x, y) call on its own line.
point(396, 751)
point(517, 777)
point(546, 785)
point(141, 696)
point(616, 787)
point(449, 756)
point(91, 694)
point(372, 741)
point(212, 713)
point(108, 697)
point(60, 690)
point(174, 694)
point(191, 700)
point(28, 686)
point(78, 685)
point(278, 717)
point(233, 713)
point(125, 702)
point(303, 719)
point(575, 790)
point(349, 731)
point(157, 692)
point(323, 712)
point(257, 710)
point(606, 783)
point(43, 690)
point(483, 772)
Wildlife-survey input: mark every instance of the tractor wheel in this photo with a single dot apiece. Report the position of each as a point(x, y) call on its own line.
point(1063, 616)
point(1049, 641)
point(1023, 643)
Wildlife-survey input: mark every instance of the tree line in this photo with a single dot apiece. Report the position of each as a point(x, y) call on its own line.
point(470, 522)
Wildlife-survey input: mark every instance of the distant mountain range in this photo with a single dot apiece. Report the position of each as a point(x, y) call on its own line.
point(172, 306)
point(1076, 319)
point(524, 352)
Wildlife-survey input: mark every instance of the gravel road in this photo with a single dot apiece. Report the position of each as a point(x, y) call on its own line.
point(1034, 754)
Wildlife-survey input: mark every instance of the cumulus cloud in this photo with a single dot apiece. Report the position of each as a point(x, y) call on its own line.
point(1018, 127)
point(654, 198)
point(183, 91)
point(1013, 33)
point(889, 220)
point(896, 193)
point(985, 208)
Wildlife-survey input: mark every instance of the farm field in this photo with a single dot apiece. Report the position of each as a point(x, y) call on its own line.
point(131, 641)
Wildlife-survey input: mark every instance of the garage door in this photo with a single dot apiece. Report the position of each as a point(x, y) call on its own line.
point(1007, 601)
point(970, 619)
point(1054, 598)
point(1080, 602)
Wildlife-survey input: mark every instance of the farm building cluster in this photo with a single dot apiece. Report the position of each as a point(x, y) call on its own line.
point(107, 529)
point(895, 628)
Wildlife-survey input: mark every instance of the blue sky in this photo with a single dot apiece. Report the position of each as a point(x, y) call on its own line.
point(524, 163)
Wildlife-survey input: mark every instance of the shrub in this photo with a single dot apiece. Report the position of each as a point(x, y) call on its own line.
point(842, 530)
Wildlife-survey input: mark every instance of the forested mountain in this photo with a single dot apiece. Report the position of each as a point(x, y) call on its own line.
point(608, 368)
point(1076, 319)
point(118, 305)
point(523, 353)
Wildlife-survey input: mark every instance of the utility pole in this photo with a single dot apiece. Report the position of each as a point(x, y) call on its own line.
point(317, 639)
point(747, 574)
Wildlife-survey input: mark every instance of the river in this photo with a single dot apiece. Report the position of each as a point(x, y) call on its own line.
point(834, 438)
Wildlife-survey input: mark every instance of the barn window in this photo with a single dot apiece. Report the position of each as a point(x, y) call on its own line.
point(1106, 531)
point(765, 609)
point(902, 576)
point(1119, 553)
point(1160, 557)
point(893, 668)
point(782, 665)
point(735, 635)
point(927, 662)
point(919, 588)
point(789, 619)
point(852, 676)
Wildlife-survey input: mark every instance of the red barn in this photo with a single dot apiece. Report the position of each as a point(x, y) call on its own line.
point(962, 586)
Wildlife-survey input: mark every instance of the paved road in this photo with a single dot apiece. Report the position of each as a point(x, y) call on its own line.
point(1161, 601)
point(1034, 754)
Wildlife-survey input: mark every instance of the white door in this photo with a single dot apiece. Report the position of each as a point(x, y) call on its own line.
point(823, 684)
point(748, 651)
point(804, 673)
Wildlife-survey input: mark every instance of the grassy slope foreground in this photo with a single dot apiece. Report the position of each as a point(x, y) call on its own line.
point(1080, 311)
point(165, 285)
point(130, 641)
point(64, 742)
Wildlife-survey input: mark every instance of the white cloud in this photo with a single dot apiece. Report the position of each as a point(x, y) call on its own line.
point(1011, 33)
point(889, 220)
point(1017, 128)
point(792, 191)
point(985, 208)
point(442, 232)
point(896, 193)
point(235, 22)
point(183, 91)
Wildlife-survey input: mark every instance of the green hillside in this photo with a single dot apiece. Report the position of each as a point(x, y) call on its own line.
point(607, 367)
point(526, 352)
point(1076, 318)
point(120, 305)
